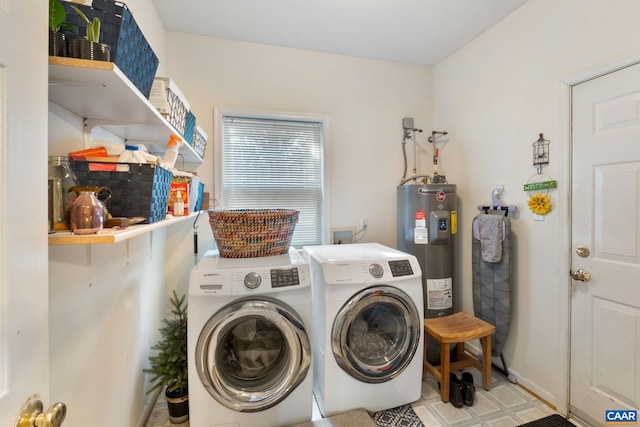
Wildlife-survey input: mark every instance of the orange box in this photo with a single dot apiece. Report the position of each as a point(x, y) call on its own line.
point(183, 189)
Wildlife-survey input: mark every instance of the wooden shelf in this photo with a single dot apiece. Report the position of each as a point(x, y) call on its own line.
point(100, 92)
point(111, 236)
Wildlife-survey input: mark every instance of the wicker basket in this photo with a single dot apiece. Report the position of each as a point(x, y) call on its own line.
point(247, 233)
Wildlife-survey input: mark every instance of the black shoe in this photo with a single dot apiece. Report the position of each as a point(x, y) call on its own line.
point(455, 391)
point(468, 389)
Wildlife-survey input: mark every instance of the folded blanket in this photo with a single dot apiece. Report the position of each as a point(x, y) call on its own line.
point(491, 235)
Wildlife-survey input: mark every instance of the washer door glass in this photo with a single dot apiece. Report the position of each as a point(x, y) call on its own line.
point(376, 333)
point(252, 353)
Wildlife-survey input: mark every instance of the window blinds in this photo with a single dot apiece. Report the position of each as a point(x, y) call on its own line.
point(268, 164)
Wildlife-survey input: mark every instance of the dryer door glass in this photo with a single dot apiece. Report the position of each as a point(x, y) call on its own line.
point(376, 333)
point(252, 353)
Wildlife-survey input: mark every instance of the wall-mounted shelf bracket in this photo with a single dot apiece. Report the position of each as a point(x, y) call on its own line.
point(90, 125)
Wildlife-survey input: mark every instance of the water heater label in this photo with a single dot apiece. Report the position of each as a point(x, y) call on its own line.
point(420, 234)
point(439, 294)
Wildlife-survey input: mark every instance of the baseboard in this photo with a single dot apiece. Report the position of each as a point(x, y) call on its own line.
point(148, 409)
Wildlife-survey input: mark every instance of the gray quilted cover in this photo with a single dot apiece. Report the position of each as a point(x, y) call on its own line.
point(492, 288)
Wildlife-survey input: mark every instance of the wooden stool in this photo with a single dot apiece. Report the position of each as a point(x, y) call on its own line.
point(458, 328)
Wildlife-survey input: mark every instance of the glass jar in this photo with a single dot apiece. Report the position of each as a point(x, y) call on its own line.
point(87, 214)
point(61, 178)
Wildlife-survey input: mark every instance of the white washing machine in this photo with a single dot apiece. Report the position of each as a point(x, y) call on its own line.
point(249, 341)
point(368, 314)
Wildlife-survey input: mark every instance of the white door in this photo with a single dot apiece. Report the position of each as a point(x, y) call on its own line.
point(24, 358)
point(605, 310)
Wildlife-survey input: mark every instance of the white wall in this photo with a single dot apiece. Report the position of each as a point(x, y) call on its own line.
point(107, 301)
point(365, 101)
point(495, 96)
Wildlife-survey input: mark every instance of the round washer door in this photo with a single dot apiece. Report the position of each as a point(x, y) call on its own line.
point(252, 354)
point(376, 333)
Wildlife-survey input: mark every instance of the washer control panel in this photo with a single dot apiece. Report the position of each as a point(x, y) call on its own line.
point(282, 277)
point(257, 280)
point(252, 280)
point(401, 267)
point(217, 276)
point(279, 278)
point(376, 270)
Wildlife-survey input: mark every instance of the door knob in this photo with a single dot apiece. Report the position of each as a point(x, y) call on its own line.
point(31, 414)
point(583, 251)
point(581, 275)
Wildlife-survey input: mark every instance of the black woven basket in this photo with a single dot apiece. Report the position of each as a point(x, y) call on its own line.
point(143, 191)
point(130, 50)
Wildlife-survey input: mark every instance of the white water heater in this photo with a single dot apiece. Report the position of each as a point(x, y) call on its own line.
point(427, 229)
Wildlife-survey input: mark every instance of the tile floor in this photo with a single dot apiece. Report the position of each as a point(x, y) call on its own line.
point(506, 405)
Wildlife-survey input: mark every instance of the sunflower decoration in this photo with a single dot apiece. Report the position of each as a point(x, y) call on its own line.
point(540, 204)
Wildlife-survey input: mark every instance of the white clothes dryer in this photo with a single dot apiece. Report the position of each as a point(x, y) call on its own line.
point(249, 341)
point(368, 314)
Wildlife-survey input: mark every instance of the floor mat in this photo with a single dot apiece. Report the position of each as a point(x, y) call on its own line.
point(402, 416)
point(554, 420)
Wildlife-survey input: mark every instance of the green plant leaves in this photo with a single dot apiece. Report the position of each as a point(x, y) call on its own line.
point(169, 366)
point(93, 30)
point(93, 26)
point(57, 15)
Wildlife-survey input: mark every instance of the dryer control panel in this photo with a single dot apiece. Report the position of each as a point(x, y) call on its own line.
point(388, 270)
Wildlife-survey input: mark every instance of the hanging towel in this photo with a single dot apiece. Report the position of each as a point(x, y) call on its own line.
point(491, 234)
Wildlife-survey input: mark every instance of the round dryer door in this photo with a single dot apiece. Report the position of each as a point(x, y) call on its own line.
point(252, 353)
point(376, 333)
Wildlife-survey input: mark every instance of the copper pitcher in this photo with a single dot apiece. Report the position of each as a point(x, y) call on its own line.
point(102, 193)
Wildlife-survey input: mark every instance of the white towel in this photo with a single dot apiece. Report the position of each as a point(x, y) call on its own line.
point(491, 231)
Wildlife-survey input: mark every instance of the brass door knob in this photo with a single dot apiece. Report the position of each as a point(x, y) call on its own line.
point(31, 414)
point(581, 275)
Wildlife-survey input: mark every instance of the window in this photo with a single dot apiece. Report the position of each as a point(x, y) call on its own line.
point(274, 162)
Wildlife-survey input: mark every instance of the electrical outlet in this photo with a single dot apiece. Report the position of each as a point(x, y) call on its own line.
point(364, 223)
point(342, 235)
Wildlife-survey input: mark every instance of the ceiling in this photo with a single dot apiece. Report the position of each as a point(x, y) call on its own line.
point(422, 32)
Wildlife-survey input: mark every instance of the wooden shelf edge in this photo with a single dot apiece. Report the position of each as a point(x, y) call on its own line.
point(109, 236)
point(83, 63)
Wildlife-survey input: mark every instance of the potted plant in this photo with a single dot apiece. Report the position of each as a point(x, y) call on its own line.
point(90, 47)
point(169, 366)
point(57, 40)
